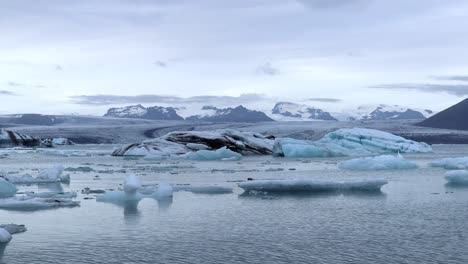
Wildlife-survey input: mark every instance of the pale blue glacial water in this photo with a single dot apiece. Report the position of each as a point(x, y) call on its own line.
point(416, 219)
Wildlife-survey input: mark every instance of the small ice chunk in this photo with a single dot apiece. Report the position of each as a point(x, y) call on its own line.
point(458, 177)
point(7, 189)
point(164, 190)
point(49, 175)
point(5, 236)
point(460, 163)
point(311, 185)
point(383, 162)
point(219, 154)
point(131, 184)
point(59, 195)
point(26, 203)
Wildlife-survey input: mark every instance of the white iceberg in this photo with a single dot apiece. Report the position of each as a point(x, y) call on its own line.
point(311, 185)
point(383, 162)
point(457, 177)
point(5, 236)
point(7, 189)
point(460, 163)
point(203, 189)
point(49, 175)
point(348, 142)
point(27, 203)
point(219, 154)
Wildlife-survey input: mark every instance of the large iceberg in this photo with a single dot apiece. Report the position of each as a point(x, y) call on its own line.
point(312, 185)
point(348, 142)
point(383, 162)
point(10, 138)
point(181, 142)
point(457, 177)
point(49, 175)
point(7, 189)
point(460, 163)
point(219, 154)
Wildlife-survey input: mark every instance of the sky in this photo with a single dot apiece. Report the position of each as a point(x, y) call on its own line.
point(66, 56)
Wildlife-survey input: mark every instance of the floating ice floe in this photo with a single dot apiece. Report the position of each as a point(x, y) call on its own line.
point(58, 195)
point(348, 142)
point(383, 162)
point(133, 192)
point(28, 203)
point(182, 142)
point(219, 154)
point(61, 141)
point(203, 189)
point(457, 177)
point(14, 229)
point(311, 185)
point(49, 175)
point(460, 163)
point(7, 189)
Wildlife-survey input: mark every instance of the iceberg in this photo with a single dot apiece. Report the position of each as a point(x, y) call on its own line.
point(27, 203)
point(460, 163)
point(203, 189)
point(219, 154)
point(5, 236)
point(14, 229)
point(182, 142)
point(58, 195)
point(348, 142)
point(457, 177)
point(49, 175)
point(383, 162)
point(311, 185)
point(131, 184)
point(7, 189)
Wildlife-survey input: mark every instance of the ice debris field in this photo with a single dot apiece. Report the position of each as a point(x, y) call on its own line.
point(150, 170)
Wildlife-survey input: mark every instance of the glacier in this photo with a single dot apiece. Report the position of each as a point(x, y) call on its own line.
point(219, 154)
point(459, 163)
point(383, 162)
point(311, 185)
point(348, 142)
point(457, 177)
point(7, 189)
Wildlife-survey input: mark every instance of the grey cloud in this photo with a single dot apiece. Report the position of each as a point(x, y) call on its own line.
point(5, 92)
point(325, 100)
point(455, 89)
point(462, 78)
point(107, 99)
point(268, 69)
point(161, 64)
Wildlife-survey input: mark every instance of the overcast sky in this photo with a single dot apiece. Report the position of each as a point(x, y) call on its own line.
point(64, 56)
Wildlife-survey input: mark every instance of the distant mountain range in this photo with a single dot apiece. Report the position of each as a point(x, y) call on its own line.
point(282, 111)
point(454, 117)
point(141, 112)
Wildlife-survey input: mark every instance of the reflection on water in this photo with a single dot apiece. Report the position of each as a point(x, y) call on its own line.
point(2, 249)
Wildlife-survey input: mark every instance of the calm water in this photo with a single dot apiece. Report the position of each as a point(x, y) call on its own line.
point(416, 218)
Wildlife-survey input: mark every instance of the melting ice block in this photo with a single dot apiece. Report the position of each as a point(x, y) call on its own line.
point(219, 154)
point(7, 189)
point(131, 184)
point(460, 163)
point(459, 177)
point(348, 142)
point(49, 175)
point(5, 236)
point(311, 185)
point(383, 162)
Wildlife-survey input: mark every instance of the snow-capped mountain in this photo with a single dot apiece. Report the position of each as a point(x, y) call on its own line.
point(384, 112)
point(291, 111)
point(139, 111)
point(237, 114)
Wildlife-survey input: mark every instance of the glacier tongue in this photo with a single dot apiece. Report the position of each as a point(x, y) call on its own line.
point(348, 142)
